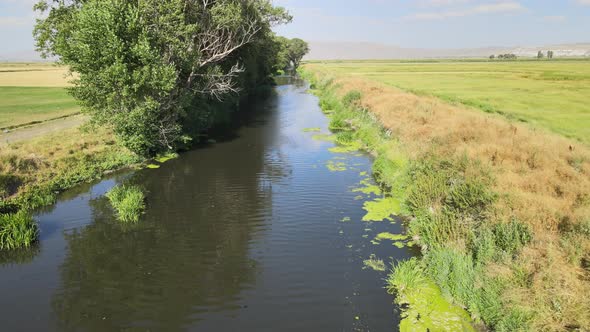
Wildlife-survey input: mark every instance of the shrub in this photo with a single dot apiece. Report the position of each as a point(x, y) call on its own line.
point(128, 202)
point(352, 98)
point(17, 230)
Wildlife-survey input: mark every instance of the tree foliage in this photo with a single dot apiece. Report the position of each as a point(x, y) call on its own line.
point(291, 52)
point(155, 69)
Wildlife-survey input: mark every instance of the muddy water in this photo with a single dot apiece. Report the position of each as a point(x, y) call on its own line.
point(252, 233)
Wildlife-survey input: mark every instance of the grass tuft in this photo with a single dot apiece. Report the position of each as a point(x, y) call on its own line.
point(17, 230)
point(128, 202)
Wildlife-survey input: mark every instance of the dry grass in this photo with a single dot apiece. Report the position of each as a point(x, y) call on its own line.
point(37, 75)
point(543, 179)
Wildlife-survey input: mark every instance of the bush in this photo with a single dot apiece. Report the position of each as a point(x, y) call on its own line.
point(17, 230)
point(352, 99)
point(128, 202)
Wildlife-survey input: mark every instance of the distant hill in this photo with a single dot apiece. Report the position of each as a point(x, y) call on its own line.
point(325, 50)
point(22, 56)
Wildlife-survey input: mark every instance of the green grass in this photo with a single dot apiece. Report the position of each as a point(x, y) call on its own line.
point(23, 105)
point(128, 202)
point(17, 230)
point(550, 94)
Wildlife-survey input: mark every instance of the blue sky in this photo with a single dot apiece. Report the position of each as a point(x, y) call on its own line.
point(441, 23)
point(406, 23)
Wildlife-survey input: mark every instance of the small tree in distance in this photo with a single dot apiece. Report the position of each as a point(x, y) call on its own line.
point(550, 54)
point(540, 55)
point(492, 57)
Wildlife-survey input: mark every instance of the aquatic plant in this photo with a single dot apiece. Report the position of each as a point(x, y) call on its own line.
point(17, 230)
point(374, 263)
point(128, 202)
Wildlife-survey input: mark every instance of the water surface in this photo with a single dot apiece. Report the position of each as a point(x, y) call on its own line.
point(246, 234)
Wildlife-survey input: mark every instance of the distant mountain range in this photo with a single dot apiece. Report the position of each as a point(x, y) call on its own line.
point(325, 50)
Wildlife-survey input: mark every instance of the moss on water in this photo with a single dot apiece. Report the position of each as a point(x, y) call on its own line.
point(152, 166)
point(311, 130)
point(368, 187)
point(374, 263)
point(165, 157)
point(324, 137)
point(345, 219)
point(381, 209)
point(342, 149)
point(389, 236)
point(424, 306)
point(428, 310)
point(336, 166)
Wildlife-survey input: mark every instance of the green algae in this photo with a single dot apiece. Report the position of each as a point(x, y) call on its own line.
point(398, 244)
point(324, 137)
point(336, 166)
point(363, 173)
point(389, 236)
point(344, 149)
point(397, 239)
point(152, 166)
point(345, 219)
point(381, 209)
point(374, 241)
point(358, 197)
point(162, 158)
point(368, 188)
point(312, 130)
point(428, 310)
point(424, 306)
point(374, 263)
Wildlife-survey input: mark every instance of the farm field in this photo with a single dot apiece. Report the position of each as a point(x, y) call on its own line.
point(550, 94)
point(33, 93)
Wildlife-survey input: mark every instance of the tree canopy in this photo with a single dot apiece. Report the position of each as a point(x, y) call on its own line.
point(153, 69)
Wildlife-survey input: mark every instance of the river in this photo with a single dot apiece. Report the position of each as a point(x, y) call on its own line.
point(260, 231)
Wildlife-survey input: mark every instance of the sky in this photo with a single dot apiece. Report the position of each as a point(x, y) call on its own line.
point(440, 23)
point(405, 23)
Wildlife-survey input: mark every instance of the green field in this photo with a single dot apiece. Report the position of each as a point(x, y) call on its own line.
point(551, 94)
point(33, 93)
point(22, 105)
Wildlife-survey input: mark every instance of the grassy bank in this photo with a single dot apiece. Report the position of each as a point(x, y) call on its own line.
point(549, 94)
point(33, 172)
point(501, 211)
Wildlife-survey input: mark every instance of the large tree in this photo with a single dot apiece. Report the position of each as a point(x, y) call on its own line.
point(146, 67)
point(296, 50)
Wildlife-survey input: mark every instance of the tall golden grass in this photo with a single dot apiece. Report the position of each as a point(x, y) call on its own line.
point(543, 179)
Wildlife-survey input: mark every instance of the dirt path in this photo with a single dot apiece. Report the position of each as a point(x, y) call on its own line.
point(34, 131)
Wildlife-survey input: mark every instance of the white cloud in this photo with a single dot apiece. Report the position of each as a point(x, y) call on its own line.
point(493, 8)
point(583, 2)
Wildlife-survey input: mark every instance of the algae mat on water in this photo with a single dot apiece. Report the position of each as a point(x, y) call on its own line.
point(428, 310)
point(381, 209)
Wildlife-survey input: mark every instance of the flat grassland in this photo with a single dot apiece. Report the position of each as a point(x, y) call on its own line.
point(33, 93)
point(551, 94)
